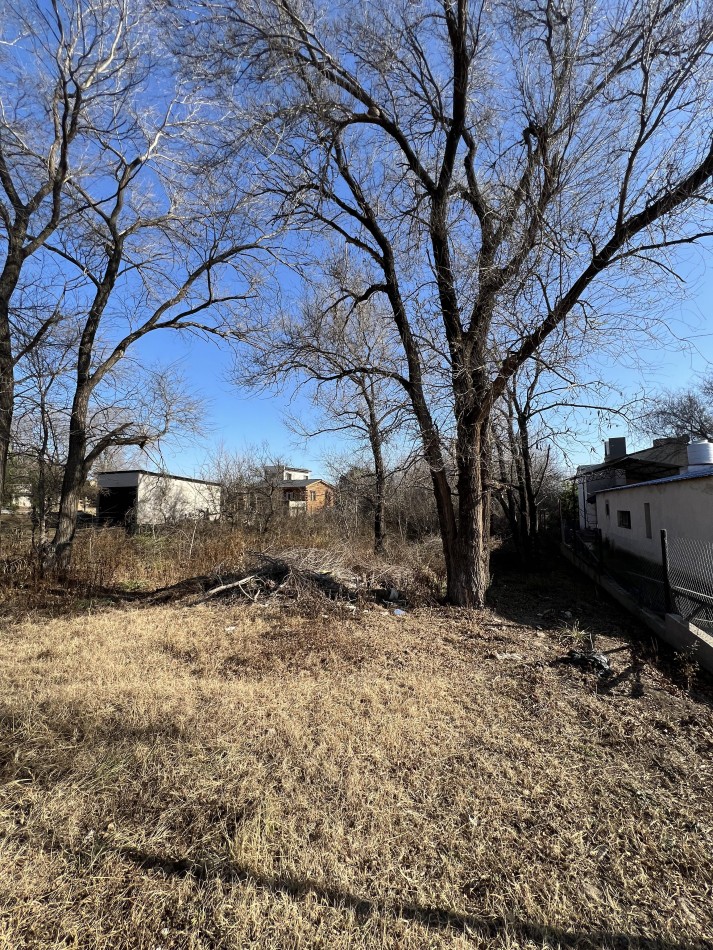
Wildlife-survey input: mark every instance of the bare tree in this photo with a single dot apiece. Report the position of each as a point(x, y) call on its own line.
point(251, 485)
point(61, 63)
point(549, 152)
point(681, 412)
point(342, 352)
point(134, 405)
point(546, 409)
point(40, 417)
point(358, 409)
point(195, 292)
point(156, 245)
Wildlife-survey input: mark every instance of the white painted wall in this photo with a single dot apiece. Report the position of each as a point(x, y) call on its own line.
point(286, 474)
point(684, 508)
point(164, 499)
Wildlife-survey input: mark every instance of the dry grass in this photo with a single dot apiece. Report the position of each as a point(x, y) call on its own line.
point(236, 776)
point(109, 563)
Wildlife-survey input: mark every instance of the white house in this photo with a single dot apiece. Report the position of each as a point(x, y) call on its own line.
point(631, 516)
point(620, 468)
point(288, 488)
point(285, 473)
point(141, 497)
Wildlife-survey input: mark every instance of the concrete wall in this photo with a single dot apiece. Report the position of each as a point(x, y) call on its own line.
point(684, 508)
point(164, 499)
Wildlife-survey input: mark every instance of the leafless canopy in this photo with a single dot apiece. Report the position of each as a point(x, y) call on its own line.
point(502, 170)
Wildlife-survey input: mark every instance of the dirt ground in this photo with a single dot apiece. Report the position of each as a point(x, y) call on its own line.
point(236, 775)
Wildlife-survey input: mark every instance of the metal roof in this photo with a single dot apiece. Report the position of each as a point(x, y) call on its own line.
point(301, 482)
point(145, 471)
point(703, 471)
point(652, 462)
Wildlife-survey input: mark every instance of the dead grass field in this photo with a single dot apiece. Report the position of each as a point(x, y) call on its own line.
point(233, 776)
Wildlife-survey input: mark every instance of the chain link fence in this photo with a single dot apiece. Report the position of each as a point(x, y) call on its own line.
point(690, 574)
point(644, 579)
point(681, 582)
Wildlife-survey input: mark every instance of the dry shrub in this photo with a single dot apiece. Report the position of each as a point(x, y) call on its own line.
point(110, 557)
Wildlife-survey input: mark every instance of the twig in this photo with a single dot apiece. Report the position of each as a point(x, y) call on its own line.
point(224, 587)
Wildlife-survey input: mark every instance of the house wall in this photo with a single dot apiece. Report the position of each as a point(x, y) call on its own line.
point(295, 474)
point(684, 509)
point(21, 501)
point(308, 498)
point(589, 483)
point(164, 499)
point(319, 496)
point(283, 473)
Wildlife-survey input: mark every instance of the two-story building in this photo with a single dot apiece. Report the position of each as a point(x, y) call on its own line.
point(299, 493)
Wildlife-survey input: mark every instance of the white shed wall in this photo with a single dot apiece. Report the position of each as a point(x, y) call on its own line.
point(163, 499)
point(684, 509)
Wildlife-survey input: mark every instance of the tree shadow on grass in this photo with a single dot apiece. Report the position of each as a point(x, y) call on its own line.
point(428, 915)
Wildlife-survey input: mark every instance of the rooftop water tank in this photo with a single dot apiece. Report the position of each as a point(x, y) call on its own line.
point(700, 453)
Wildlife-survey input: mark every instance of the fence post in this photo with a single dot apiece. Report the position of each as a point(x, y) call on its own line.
point(668, 598)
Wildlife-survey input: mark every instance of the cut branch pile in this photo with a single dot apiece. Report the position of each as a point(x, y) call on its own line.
point(291, 575)
point(305, 574)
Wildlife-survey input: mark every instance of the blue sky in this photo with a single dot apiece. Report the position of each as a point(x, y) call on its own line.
point(235, 419)
point(240, 420)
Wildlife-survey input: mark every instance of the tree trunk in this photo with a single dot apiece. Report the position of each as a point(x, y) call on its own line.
point(532, 514)
point(505, 494)
point(41, 500)
point(379, 475)
point(41, 506)
point(72, 483)
point(380, 513)
point(519, 473)
point(7, 397)
point(468, 554)
point(8, 282)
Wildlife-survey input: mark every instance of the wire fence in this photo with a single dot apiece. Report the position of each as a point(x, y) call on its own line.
point(643, 579)
point(681, 582)
point(690, 572)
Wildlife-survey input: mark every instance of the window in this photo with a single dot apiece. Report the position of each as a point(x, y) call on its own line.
point(647, 519)
point(313, 496)
point(607, 508)
point(623, 519)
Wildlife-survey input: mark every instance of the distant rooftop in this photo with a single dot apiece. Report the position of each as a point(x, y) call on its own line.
point(701, 471)
point(300, 482)
point(146, 471)
point(665, 455)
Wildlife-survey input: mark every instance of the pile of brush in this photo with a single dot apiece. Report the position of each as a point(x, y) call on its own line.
point(302, 575)
point(290, 575)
